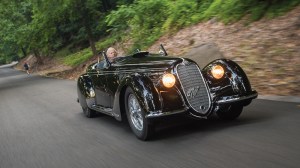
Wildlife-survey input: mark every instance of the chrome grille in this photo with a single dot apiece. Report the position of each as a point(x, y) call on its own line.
point(194, 87)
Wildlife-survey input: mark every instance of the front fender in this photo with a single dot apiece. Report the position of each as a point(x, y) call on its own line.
point(143, 89)
point(84, 87)
point(234, 84)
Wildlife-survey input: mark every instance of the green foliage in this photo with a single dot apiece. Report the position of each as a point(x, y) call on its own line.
point(107, 42)
point(258, 11)
point(281, 7)
point(143, 18)
point(233, 10)
point(181, 13)
point(145, 21)
point(85, 54)
point(13, 15)
point(78, 58)
point(63, 27)
point(118, 19)
point(226, 10)
point(146, 24)
point(63, 52)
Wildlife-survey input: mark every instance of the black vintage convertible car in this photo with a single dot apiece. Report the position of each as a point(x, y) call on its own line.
point(143, 87)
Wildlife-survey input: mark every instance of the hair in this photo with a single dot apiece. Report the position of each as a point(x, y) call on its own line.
point(110, 48)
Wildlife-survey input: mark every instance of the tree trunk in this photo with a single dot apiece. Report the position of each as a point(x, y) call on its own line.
point(105, 5)
point(38, 57)
point(24, 51)
point(91, 40)
point(85, 19)
point(90, 35)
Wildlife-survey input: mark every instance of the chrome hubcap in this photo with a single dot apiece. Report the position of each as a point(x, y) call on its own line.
point(135, 112)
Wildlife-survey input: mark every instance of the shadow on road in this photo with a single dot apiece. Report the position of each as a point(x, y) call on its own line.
point(181, 126)
point(178, 127)
point(268, 114)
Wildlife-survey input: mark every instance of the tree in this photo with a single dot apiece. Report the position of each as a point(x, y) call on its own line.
point(13, 15)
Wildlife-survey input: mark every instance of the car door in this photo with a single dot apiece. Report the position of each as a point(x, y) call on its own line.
point(98, 76)
point(112, 82)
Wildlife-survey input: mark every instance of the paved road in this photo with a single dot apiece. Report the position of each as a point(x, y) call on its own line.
point(42, 126)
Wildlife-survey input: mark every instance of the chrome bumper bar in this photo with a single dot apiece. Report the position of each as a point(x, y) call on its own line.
point(154, 114)
point(235, 99)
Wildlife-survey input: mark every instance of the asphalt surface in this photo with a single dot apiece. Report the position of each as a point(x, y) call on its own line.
point(41, 126)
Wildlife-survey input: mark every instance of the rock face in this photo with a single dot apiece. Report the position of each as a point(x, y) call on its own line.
point(204, 54)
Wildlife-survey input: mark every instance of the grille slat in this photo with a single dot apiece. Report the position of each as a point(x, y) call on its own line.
point(194, 87)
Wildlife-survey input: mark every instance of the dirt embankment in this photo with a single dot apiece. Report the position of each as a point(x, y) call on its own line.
point(268, 50)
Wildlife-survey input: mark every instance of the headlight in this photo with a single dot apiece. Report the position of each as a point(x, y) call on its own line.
point(168, 80)
point(92, 92)
point(217, 71)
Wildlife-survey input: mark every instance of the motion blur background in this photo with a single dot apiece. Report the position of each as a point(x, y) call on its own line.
point(60, 38)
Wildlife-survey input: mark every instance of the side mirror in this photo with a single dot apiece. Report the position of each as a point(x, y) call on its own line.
point(162, 50)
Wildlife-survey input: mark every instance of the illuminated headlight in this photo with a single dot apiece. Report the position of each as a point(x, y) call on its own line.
point(168, 80)
point(92, 92)
point(217, 71)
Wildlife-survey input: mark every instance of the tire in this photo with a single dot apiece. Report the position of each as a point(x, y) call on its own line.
point(247, 102)
point(231, 113)
point(88, 112)
point(139, 125)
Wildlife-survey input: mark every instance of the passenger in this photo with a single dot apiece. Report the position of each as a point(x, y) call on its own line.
point(111, 54)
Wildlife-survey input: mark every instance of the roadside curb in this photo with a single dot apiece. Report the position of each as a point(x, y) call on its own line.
point(293, 99)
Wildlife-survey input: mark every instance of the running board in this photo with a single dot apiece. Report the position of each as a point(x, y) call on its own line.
point(101, 109)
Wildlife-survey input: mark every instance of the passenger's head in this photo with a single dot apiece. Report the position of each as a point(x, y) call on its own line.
point(111, 53)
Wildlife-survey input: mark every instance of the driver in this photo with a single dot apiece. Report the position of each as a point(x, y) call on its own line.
point(111, 54)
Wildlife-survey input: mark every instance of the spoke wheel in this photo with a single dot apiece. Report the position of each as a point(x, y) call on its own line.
point(135, 112)
point(140, 126)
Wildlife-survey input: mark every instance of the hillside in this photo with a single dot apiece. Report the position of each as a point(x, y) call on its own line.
point(268, 50)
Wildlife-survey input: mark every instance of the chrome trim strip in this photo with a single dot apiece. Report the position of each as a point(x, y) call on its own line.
point(252, 96)
point(128, 71)
point(209, 96)
point(154, 114)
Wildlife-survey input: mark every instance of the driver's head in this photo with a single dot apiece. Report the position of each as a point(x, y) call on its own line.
point(111, 53)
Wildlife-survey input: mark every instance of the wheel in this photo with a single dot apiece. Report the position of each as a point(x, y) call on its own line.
point(88, 112)
point(231, 113)
point(140, 126)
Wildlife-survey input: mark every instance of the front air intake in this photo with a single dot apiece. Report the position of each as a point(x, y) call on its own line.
point(194, 87)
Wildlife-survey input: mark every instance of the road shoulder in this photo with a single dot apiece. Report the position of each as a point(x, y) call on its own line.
point(293, 99)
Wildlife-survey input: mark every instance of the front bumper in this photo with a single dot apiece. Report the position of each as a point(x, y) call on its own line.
point(232, 99)
point(156, 114)
point(222, 101)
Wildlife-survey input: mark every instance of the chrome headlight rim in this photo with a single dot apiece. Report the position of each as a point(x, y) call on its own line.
point(217, 71)
point(168, 80)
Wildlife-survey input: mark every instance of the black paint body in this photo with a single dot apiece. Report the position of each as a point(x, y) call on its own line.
point(103, 85)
